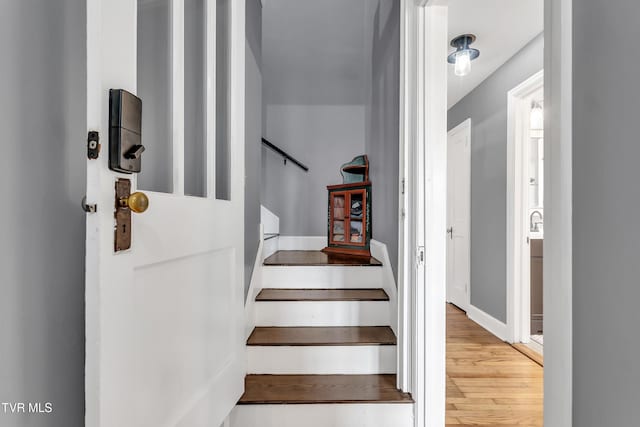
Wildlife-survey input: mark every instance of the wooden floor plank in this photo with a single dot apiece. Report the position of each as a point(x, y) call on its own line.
point(322, 336)
point(322, 295)
point(317, 258)
point(307, 389)
point(489, 383)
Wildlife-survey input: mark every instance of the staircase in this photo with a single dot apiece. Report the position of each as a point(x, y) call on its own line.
point(322, 353)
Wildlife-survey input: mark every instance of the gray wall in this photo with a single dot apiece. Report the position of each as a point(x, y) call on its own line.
point(321, 136)
point(606, 271)
point(253, 134)
point(314, 63)
point(383, 124)
point(487, 107)
point(42, 180)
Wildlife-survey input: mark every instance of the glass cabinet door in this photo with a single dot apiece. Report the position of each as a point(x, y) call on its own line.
point(356, 217)
point(348, 215)
point(339, 223)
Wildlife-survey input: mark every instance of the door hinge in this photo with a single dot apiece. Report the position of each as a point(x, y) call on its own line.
point(402, 185)
point(420, 255)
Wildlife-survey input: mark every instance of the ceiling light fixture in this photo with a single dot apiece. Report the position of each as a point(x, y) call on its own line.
point(463, 55)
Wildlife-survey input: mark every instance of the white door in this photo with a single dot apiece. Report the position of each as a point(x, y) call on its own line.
point(164, 319)
point(458, 214)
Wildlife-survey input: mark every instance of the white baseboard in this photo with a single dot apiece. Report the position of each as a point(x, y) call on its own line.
point(271, 246)
point(379, 251)
point(490, 323)
point(269, 220)
point(302, 243)
point(255, 286)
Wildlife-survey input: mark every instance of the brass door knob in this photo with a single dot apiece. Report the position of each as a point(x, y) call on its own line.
point(138, 202)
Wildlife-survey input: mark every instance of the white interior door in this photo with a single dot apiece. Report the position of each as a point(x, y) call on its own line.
point(164, 319)
point(458, 214)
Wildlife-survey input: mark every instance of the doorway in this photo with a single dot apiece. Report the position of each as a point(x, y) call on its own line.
point(479, 92)
point(459, 214)
point(525, 211)
point(558, 225)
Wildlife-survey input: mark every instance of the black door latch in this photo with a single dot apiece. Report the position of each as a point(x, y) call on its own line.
point(93, 145)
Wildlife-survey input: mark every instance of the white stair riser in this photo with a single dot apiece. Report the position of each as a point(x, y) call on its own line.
point(322, 360)
point(323, 415)
point(322, 313)
point(332, 277)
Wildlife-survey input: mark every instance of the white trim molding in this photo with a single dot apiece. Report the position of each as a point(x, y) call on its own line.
point(406, 260)
point(380, 252)
point(429, 206)
point(302, 243)
point(465, 125)
point(490, 323)
point(518, 297)
point(255, 286)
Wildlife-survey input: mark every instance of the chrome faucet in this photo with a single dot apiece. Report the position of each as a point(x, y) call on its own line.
point(535, 221)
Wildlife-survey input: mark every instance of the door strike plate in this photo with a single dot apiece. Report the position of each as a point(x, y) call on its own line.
point(123, 216)
point(93, 145)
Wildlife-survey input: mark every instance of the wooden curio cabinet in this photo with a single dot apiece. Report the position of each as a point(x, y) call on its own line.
point(349, 219)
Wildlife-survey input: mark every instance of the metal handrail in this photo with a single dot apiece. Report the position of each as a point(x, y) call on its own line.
point(285, 155)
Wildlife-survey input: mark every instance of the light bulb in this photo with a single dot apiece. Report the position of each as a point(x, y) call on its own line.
point(537, 118)
point(463, 63)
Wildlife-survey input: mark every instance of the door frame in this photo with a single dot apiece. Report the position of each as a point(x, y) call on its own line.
point(422, 278)
point(406, 135)
point(558, 393)
point(518, 254)
point(465, 127)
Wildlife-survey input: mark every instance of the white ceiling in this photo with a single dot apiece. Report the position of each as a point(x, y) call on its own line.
point(503, 27)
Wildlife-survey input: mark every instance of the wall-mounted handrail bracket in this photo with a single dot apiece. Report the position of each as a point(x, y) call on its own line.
point(285, 155)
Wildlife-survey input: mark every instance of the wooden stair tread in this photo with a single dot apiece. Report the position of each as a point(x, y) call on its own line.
point(319, 258)
point(322, 295)
point(307, 389)
point(322, 336)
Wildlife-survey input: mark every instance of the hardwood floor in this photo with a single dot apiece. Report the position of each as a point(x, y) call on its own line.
point(489, 383)
point(530, 353)
point(322, 295)
point(322, 336)
point(318, 258)
point(292, 389)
